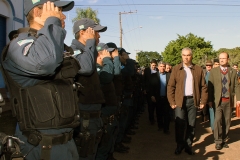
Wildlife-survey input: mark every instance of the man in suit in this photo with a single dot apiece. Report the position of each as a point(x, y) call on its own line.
point(222, 86)
point(147, 74)
point(158, 92)
point(185, 92)
point(211, 110)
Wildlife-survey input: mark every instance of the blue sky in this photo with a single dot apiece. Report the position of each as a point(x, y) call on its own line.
point(161, 23)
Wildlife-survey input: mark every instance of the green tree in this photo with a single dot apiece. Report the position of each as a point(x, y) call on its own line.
point(202, 50)
point(233, 55)
point(86, 13)
point(144, 58)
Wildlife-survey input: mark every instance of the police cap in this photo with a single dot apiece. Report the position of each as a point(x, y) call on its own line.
point(111, 45)
point(102, 46)
point(84, 23)
point(30, 4)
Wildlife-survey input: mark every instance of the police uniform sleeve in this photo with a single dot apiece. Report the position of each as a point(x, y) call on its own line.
point(32, 56)
point(117, 65)
point(129, 68)
point(87, 59)
point(106, 73)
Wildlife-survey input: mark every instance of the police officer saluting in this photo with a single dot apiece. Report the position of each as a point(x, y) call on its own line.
point(91, 96)
point(42, 100)
point(108, 64)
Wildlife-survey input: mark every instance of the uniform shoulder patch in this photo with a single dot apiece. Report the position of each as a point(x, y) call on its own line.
point(26, 49)
point(21, 42)
point(76, 52)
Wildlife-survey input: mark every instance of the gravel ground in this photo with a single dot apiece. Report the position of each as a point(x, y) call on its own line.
point(151, 144)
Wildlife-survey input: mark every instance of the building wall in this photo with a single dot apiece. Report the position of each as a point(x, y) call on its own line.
point(12, 12)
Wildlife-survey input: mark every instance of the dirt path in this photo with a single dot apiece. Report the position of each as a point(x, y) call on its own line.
point(151, 144)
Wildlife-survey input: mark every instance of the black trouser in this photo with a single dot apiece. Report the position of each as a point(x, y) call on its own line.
point(222, 122)
point(163, 113)
point(151, 108)
point(183, 115)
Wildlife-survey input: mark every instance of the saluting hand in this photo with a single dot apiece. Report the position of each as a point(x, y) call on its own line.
point(105, 53)
point(49, 10)
point(115, 53)
point(90, 33)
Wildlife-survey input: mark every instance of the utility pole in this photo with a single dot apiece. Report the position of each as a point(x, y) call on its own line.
point(120, 22)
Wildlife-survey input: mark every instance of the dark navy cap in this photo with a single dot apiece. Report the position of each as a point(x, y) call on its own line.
point(111, 45)
point(102, 46)
point(84, 23)
point(121, 50)
point(30, 4)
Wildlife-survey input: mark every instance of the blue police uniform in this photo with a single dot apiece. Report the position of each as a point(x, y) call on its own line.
point(106, 74)
point(126, 70)
point(30, 59)
point(86, 55)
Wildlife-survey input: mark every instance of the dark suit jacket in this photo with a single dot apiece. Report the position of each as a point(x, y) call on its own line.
point(146, 79)
point(155, 84)
point(215, 86)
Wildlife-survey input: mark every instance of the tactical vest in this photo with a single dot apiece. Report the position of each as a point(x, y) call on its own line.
point(117, 80)
point(90, 92)
point(109, 94)
point(49, 104)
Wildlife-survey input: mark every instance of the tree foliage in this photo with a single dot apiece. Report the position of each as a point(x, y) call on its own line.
point(144, 58)
point(233, 55)
point(202, 50)
point(86, 13)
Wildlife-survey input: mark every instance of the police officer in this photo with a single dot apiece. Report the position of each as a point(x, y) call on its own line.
point(127, 70)
point(43, 102)
point(90, 93)
point(108, 64)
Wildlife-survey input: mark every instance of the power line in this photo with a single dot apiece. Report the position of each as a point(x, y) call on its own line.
point(160, 4)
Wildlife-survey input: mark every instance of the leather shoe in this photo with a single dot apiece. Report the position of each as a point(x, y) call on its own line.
point(124, 147)
point(218, 146)
point(178, 150)
point(118, 148)
point(130, 132)
point(225, 145)
point(189, 151)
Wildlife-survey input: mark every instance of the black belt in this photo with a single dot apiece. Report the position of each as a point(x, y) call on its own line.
point(188, 97)
point(55, 138)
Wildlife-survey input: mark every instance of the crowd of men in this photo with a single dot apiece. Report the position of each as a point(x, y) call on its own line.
point(187, 87)
point(83, 101)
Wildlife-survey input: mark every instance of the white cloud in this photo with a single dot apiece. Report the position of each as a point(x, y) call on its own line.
point(155, 17)
point(92, 1)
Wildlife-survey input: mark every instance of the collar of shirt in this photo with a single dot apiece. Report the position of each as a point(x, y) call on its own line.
point(153, 71)
point(223, 68)
point(190, 66)
point(162, 73)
